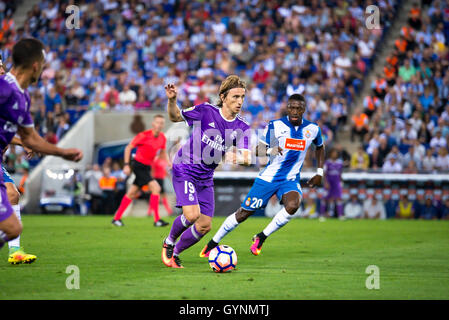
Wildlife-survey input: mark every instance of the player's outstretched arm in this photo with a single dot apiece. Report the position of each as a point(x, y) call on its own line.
point(16, 141)
point(262, 150)
point(315, 181)
point(173, 110)
point(31, 139)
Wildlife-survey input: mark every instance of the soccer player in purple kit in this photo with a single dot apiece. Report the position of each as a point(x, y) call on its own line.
point(28, 56)
point(215, 130)
point(333, 168)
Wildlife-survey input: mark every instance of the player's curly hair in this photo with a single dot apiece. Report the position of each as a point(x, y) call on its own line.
point(229, 83)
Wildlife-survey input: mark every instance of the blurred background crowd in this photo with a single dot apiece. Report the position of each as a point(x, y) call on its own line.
point(124, 52)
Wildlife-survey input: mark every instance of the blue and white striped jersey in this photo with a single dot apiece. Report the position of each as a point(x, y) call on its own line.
point(295, 142)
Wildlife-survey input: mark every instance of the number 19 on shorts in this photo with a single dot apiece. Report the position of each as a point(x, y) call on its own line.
point(189, 189)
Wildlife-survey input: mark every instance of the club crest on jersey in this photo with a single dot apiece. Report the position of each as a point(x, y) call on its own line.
point(248, 202)
point(295, 144)
point(307, 134)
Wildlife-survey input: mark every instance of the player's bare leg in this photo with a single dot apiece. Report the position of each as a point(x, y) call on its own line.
point(230, 223)
point(291, 201)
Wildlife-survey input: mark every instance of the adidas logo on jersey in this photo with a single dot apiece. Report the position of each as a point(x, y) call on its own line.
point(212, 124)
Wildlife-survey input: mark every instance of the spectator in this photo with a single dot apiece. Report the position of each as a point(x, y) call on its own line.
point(429, 161)
point(373, 208)
point(359, 124)
point(442, 160)
point(438, 141)
point(428, 211)
point(92, 178)
point(392, 165)
point(108, 184)
point(353, 209)
point(359, 160)
point(445, 209)
point(405, 209)
point(407, 71)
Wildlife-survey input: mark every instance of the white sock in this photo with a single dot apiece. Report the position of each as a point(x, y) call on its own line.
point(16, 241)
point(227, 226)
point(280, 219)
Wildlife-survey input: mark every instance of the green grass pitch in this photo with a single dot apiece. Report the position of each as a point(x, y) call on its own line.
point(307, 259)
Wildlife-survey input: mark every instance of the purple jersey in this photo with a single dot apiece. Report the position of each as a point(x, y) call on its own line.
point(333, 171)
point(15, 110)
point(212, 135)
point(333, 177)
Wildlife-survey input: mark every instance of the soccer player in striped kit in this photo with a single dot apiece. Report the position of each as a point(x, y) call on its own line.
point(286, 142)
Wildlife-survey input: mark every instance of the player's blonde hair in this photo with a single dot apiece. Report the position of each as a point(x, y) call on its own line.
point(229, 83)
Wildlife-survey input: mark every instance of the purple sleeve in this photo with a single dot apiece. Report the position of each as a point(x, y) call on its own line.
point(192, 114)
point(5, 91)
point(24, 119)
point(244, 139)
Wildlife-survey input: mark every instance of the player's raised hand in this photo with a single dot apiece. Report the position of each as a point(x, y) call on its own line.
point(171, 91)
point(315, 181)
point(72, 154)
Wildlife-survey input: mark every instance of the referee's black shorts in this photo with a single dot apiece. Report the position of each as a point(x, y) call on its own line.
point(142, 172)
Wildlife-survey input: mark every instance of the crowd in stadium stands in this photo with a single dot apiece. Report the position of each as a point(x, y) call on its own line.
point(404, 123)
point(374, 205)
point(124, 52)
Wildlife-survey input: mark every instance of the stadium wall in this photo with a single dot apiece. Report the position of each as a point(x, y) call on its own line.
point(92, 129)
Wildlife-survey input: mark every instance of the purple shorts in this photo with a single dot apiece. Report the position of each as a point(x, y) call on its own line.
point(5, 207)
point(334, 192)
point(190, 191)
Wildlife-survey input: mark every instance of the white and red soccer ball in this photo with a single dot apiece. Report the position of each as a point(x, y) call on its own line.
point(222, 259)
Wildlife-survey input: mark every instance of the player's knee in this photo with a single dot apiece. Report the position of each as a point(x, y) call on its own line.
point(203, 229)
point(241, 215)
point(155, 188)
point(192, 214)
point(13, 195)
point(292, 206)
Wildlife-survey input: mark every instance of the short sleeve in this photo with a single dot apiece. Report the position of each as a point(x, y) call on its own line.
point(268, 136)
point(137, 140)
point(243, 140)
point(318, 141)
point(5, 92)
point(25, 119)
point(192, 114)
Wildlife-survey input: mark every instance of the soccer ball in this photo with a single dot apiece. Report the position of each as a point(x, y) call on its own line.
point(222, 259)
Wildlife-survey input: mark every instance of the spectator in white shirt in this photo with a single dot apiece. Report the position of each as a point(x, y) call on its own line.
point(409, 134)
point(442, 160)
point(353, 209)
point(438, 141)
point(429, 161)
point(392, 165)
point(374, 208)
